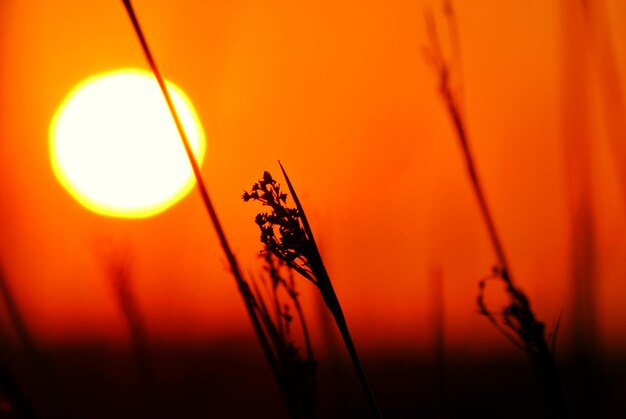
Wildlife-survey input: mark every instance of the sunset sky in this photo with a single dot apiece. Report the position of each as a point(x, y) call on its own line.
point(342, 95)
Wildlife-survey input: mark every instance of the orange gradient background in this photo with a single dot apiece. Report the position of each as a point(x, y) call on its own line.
point(340, 92)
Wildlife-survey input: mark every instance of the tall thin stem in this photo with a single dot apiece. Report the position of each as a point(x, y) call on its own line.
point(518, 316)
point(532, 331)
point(242, 285)
point(323, 282)
point(342, 325)
point(453, 109)
point(22, 407)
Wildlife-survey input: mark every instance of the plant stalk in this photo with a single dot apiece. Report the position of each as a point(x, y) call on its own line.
point(332, 301)
point(242, 285)
point(534, 336)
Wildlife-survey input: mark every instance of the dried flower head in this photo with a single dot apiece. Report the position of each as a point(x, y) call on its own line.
point(282, 229)
point(286, 233)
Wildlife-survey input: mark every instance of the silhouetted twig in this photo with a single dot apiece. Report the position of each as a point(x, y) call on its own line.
point(586, 52)
point(517, 320)
point(603, 57)
point(119, 273)
point(286, 233)
point(242, 285)
point(440, 344)
point(15, 404)
point(277, 315)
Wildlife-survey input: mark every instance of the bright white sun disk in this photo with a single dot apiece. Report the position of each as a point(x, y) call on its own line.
point(114, 145)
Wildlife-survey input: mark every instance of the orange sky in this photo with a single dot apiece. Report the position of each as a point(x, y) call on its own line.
point(341, 94)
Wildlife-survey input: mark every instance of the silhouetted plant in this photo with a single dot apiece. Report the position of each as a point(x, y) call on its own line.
point(13, 403)
point(277, 309)
point(118, 270)
point(286, 233)
point(291, 244)
point(439, 326)
point(516, 320)
point(243, 287)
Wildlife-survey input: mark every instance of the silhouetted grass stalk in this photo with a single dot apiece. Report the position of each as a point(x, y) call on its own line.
point(603, 57)
point(577, 64)
point(439, 327)
point(42, 368)
point(242, 285)
point(296, 246)
point(527, 332)
point(299, 372)
point(332, 301)
point(119, 273)
point(20, 407)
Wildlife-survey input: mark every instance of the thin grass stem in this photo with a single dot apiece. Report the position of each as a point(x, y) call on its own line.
point(322, 280)
point(518, 315)
point(22, 408)
point(242, 285)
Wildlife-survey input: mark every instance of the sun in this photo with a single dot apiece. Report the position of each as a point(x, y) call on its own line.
point(115, 148)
